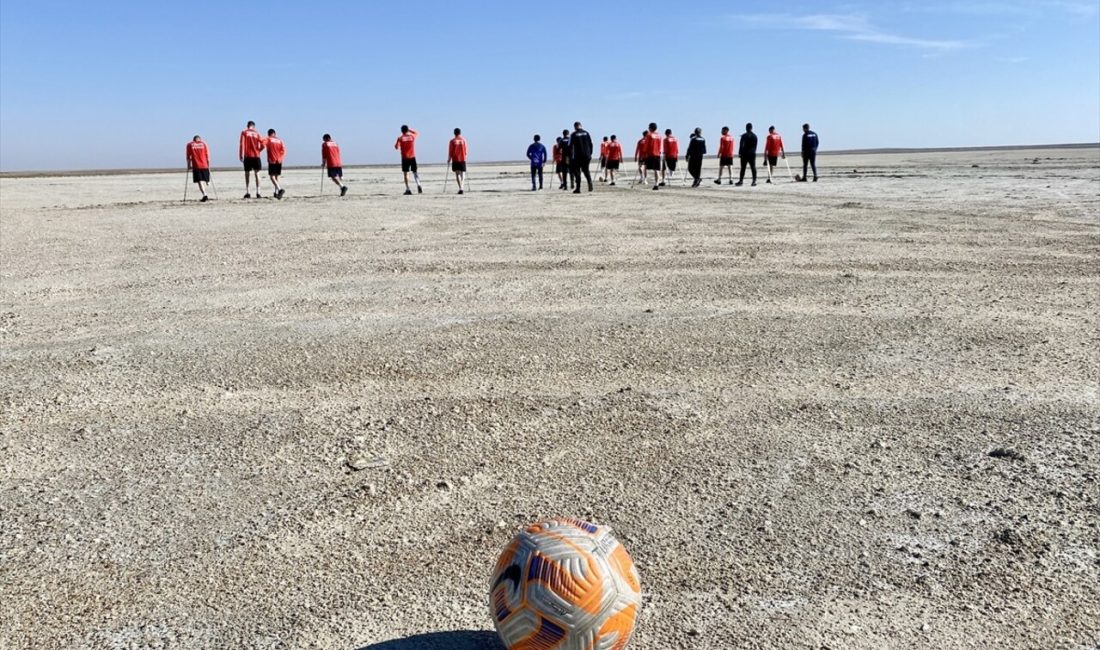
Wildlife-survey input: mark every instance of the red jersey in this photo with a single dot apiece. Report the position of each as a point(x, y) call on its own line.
point(407, 144)
point(653, 144)
point(457, 150)
point(330, 154)
point(672, 147)
point(252, 143)
point(604, 146)
point(614, 151)
point(198, 155)
point(725, 146)
point(773, 145)
point(276, 150)
point(556, 153)
point(639, 150)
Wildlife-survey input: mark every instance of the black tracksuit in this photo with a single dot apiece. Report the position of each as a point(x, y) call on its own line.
point(580, 144)
point(809, 153)
point(697, 148)
point(747, 151)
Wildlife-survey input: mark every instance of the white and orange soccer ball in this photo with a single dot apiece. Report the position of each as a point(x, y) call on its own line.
point(565, 585)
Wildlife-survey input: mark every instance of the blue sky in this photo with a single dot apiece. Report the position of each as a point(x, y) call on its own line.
point(126, 84)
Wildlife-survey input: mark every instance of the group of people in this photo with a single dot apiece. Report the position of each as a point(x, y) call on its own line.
point(571, 154)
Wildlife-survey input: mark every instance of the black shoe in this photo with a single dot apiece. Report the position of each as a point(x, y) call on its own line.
point(461, 192)
point(204, 199)
point(731, 181)
point(408, 192)
point(534, 189)
point(247, 196)
point(718, 181)
point(562, 186)
point(281, 193)
point(769, 181)
point(661, 184)
point(419, 190)
point(343, 190)
point(577, 191)
point(656, 187)
point(612, 183)
point(754, 183)
point(738, 183)
point(815, 179)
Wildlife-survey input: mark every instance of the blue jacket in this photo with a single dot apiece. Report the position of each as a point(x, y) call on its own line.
point(536, 153)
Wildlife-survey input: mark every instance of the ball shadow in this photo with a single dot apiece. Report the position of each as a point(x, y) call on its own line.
point(458, 640)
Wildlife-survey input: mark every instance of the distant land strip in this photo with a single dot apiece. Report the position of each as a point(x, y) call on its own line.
point(838, 152)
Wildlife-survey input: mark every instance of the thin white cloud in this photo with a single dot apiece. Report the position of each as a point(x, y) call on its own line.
point(1031, 8)
point(852, 27)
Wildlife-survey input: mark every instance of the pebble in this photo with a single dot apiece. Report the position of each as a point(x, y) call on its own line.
point(358, 463)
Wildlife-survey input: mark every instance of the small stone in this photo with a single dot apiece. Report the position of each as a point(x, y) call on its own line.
point(358, 463)
point(913, 513)
point(1009, 453)
point(444, 485)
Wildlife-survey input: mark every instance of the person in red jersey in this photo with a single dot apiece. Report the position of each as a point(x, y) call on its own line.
point(672, 154)
point(276, 152)
point(456, 158)
point(614, 158)
point(560, 168)
point(653, 155)
point(603, 157)
point(639, 157)
point(198, 161)
point(330, 159)
point(252, 143)
point(773, 149)
point(406, 144)
point(726, 145)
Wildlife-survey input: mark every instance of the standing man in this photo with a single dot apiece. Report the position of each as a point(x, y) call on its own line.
point(725, 155)
point(773, 149)
point(536, 153)
point(198, 161)
point(406, 144)
point(580, 145)
point(748, 154)
point(614, 158)
point(251, 144)
point(603, 157)
point(653, 154)
point(276, 151)
point(566, 158)
point(809, 151)
point(697, 148)
point(639, 157)
point(672, 153)
point(330, 158)
point(456, 158)
point(559, 161)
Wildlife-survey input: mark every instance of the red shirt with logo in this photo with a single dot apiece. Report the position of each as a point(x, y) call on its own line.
point(726, 146)
point(653, 145)
point(276, 150)
point(198, 155)
point(457, 150)
point(406, 142)
point(615, 151)
point(672, 147)
point(252, 143)
point(330, 154)
point(773, 144)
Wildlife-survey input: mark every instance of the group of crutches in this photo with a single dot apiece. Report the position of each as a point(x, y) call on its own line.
point(640, 177)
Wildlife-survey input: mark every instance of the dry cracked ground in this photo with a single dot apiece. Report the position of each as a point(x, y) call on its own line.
point(862, 413)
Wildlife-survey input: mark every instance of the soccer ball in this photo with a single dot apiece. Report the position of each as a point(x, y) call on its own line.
point(565, 584)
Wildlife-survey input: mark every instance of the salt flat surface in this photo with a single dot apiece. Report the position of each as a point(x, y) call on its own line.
point(783, 399)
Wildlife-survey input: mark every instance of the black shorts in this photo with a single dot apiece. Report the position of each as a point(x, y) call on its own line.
point(653, 163)
point(561, 167)
point(603, 161)
point(408, 165)
point(252, 165)
point(772, 160)
point(202, 175)
point(457, 166)
point(612, 164)
point(274, 169)
point(335, 172)
point(670, 163)
point(726, 160)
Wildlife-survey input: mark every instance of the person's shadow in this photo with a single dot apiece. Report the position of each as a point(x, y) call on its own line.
point(458, 640)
